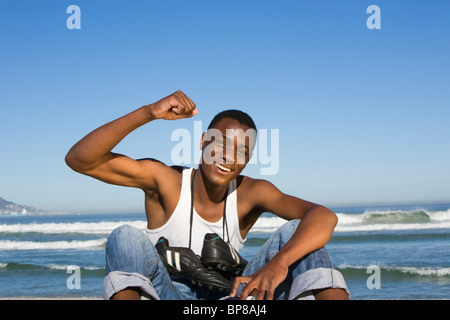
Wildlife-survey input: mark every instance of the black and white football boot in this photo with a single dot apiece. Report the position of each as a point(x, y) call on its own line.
point(220, 256)
point(183, 262)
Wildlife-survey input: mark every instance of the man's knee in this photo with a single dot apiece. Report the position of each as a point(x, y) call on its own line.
point(125, 248)
point(123, 236)
point(124, 231)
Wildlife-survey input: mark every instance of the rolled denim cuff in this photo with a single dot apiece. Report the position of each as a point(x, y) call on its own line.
point(313, 279)
point(117, 281)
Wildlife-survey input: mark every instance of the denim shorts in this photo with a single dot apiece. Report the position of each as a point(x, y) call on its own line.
point(132, 261)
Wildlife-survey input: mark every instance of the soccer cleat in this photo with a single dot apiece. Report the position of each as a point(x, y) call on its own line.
point(221, 256)
point(184, 263)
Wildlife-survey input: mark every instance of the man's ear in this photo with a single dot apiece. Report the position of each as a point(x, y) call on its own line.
point(202, 141)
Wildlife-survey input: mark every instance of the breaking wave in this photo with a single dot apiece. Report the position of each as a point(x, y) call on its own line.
point(102, 227)
point(397, 271)
point(52, 245)
point(348, 222)
point(393, 220)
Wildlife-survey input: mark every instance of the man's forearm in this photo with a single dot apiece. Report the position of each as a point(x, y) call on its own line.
point(91, 150)
point(313, 232)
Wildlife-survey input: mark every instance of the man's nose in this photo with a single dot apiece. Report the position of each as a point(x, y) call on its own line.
point(229, 154)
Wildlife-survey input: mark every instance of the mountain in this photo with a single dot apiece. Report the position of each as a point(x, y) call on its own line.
point(11, 208)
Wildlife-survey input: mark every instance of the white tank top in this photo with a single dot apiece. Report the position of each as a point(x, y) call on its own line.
point(177, 228)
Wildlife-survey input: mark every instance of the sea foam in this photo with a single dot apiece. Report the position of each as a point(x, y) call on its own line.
point(52, 245)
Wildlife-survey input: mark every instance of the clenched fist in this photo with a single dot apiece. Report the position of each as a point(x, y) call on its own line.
point(173, 107)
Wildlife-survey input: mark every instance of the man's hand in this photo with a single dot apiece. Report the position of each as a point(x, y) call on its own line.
point(262, 282)
point(173, 107)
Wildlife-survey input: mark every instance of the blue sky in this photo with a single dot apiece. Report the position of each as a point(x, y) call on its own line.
point(363, 115)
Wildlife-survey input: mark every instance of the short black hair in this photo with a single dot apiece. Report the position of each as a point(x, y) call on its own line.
point(238, 115)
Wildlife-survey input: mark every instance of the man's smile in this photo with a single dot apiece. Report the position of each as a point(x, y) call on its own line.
point(222, 168)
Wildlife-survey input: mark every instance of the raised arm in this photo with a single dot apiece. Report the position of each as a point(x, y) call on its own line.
point(93, 154)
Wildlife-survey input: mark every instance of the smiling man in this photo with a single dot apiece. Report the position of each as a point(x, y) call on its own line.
point(198, 219)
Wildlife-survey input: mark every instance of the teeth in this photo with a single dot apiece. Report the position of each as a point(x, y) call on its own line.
point(222, 167)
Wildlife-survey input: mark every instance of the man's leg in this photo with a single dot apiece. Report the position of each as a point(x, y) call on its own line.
point(134, 269)
point(131, 293)
point(313, 276)
point(330, 294)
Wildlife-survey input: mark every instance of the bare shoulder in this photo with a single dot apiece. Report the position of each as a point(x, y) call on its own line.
point(155, 164)
point(253, 196)
point(251, 185)
point(256, 191)
point(164, 176)
point(265, 196)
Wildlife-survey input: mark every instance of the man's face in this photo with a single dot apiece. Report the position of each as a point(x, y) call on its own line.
point(227, 148)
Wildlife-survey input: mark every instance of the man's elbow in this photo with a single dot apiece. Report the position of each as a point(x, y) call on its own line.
point(331, 218)
point(71, 161)
point(74, 163)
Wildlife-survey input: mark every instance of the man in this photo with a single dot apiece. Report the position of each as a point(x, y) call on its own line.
point(292, 264)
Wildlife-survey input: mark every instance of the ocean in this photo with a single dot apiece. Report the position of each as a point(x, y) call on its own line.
point(384, 252)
